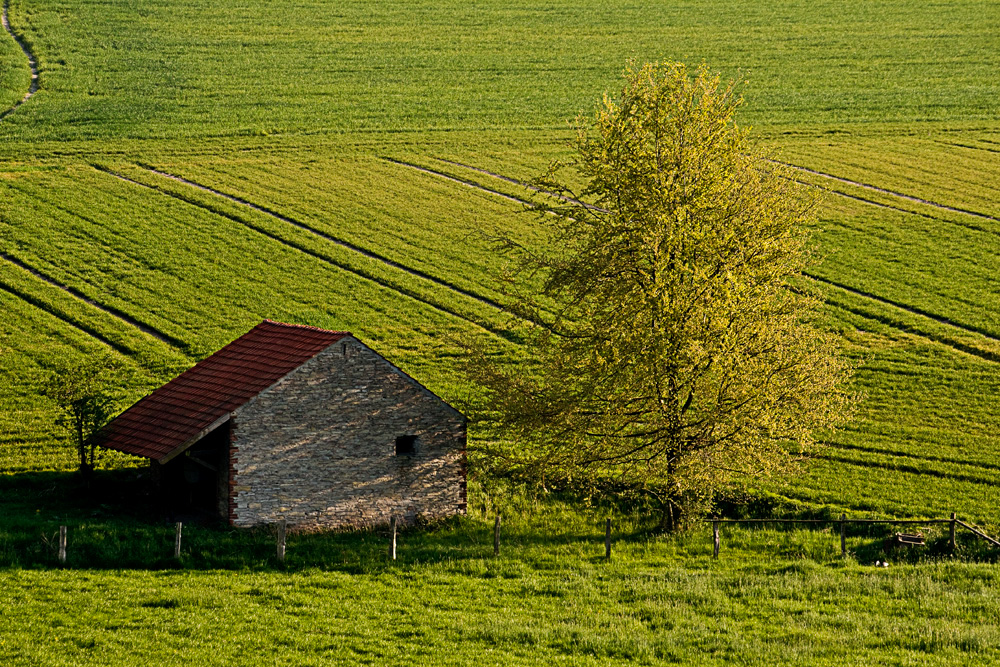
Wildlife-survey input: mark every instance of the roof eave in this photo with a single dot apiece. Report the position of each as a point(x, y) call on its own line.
point(180, 449)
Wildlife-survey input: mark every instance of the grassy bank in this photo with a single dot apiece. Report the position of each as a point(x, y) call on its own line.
point(774, 597)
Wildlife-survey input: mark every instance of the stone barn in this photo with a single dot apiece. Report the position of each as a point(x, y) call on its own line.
point(302, 424)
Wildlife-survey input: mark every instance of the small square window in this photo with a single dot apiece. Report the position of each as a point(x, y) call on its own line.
point(406, 445)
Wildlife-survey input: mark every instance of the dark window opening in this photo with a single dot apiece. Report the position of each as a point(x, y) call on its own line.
point(406, 444)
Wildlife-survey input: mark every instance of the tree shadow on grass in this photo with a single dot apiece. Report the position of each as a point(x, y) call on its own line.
point(114, 521)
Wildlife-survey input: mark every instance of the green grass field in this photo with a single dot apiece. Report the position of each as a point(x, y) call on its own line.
point(775, 597)
point(189, 168)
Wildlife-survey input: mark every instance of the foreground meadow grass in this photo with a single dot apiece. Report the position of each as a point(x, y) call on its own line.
point(508, 612)
point(774, 596)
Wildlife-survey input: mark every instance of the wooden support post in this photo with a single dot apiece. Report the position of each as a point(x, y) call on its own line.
point(715, 539)
point(607, 539)
point(281, 540)
point(62, 545)
point(392, 544)
point(952, 536)
point(843, 536)
point(177, 541)
point(496, 535)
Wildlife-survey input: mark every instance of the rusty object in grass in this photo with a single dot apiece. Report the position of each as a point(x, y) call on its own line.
point(904, 540)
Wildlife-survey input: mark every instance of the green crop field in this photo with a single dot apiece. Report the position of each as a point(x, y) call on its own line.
point(189, 168)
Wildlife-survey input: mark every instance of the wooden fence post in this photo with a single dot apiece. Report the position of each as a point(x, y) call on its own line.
point(392, 544)
point(281, 541)
point(715, 539)
point(843, 536)
point(496, 535)
point(177, 541)
point(607, 540)
point(62, 545)
point(952, 537)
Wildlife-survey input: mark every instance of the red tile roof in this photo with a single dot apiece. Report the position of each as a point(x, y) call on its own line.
point(179, 411)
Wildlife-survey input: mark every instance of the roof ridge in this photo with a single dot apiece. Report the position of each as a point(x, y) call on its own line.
point(304, 326)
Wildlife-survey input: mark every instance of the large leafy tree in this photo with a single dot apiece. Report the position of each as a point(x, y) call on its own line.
point(670, 351)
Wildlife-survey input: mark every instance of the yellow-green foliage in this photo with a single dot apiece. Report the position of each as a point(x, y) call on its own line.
point(677, 356)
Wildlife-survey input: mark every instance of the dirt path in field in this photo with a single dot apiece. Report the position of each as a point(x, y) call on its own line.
point(360, 273)
point(891, 193)
point(110, 310)
point(32, 62)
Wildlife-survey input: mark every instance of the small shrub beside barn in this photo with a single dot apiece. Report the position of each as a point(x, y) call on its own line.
point(299, 424)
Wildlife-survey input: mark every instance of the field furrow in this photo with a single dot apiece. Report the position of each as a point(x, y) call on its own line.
point(368, 271)
point(41, 304)
point(960, 222)
point(887, 450)
point(128, 319)
point(426, 225)
point(930, 169)
point(32, 87)
point(453, 179)
point(910, 309)
point(327, 237)
point(891, 193)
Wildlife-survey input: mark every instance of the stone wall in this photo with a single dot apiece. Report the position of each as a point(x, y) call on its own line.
point(318, 448)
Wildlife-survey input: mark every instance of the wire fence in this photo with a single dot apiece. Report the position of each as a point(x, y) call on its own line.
point(954, 523)
point(843, 522)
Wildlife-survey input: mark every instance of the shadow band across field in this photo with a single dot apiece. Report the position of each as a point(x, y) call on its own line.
point(32, 62)
point(119, 522)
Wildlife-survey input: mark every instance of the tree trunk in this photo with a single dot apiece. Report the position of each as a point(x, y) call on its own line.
point(81, 447)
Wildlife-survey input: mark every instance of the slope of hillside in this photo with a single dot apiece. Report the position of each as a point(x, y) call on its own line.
point(191, 167)
point(188, 169)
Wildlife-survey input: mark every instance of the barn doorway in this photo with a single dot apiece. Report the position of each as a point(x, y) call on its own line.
point(196, 482)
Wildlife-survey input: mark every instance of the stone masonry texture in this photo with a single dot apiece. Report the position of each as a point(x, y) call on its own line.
point(318, 448)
